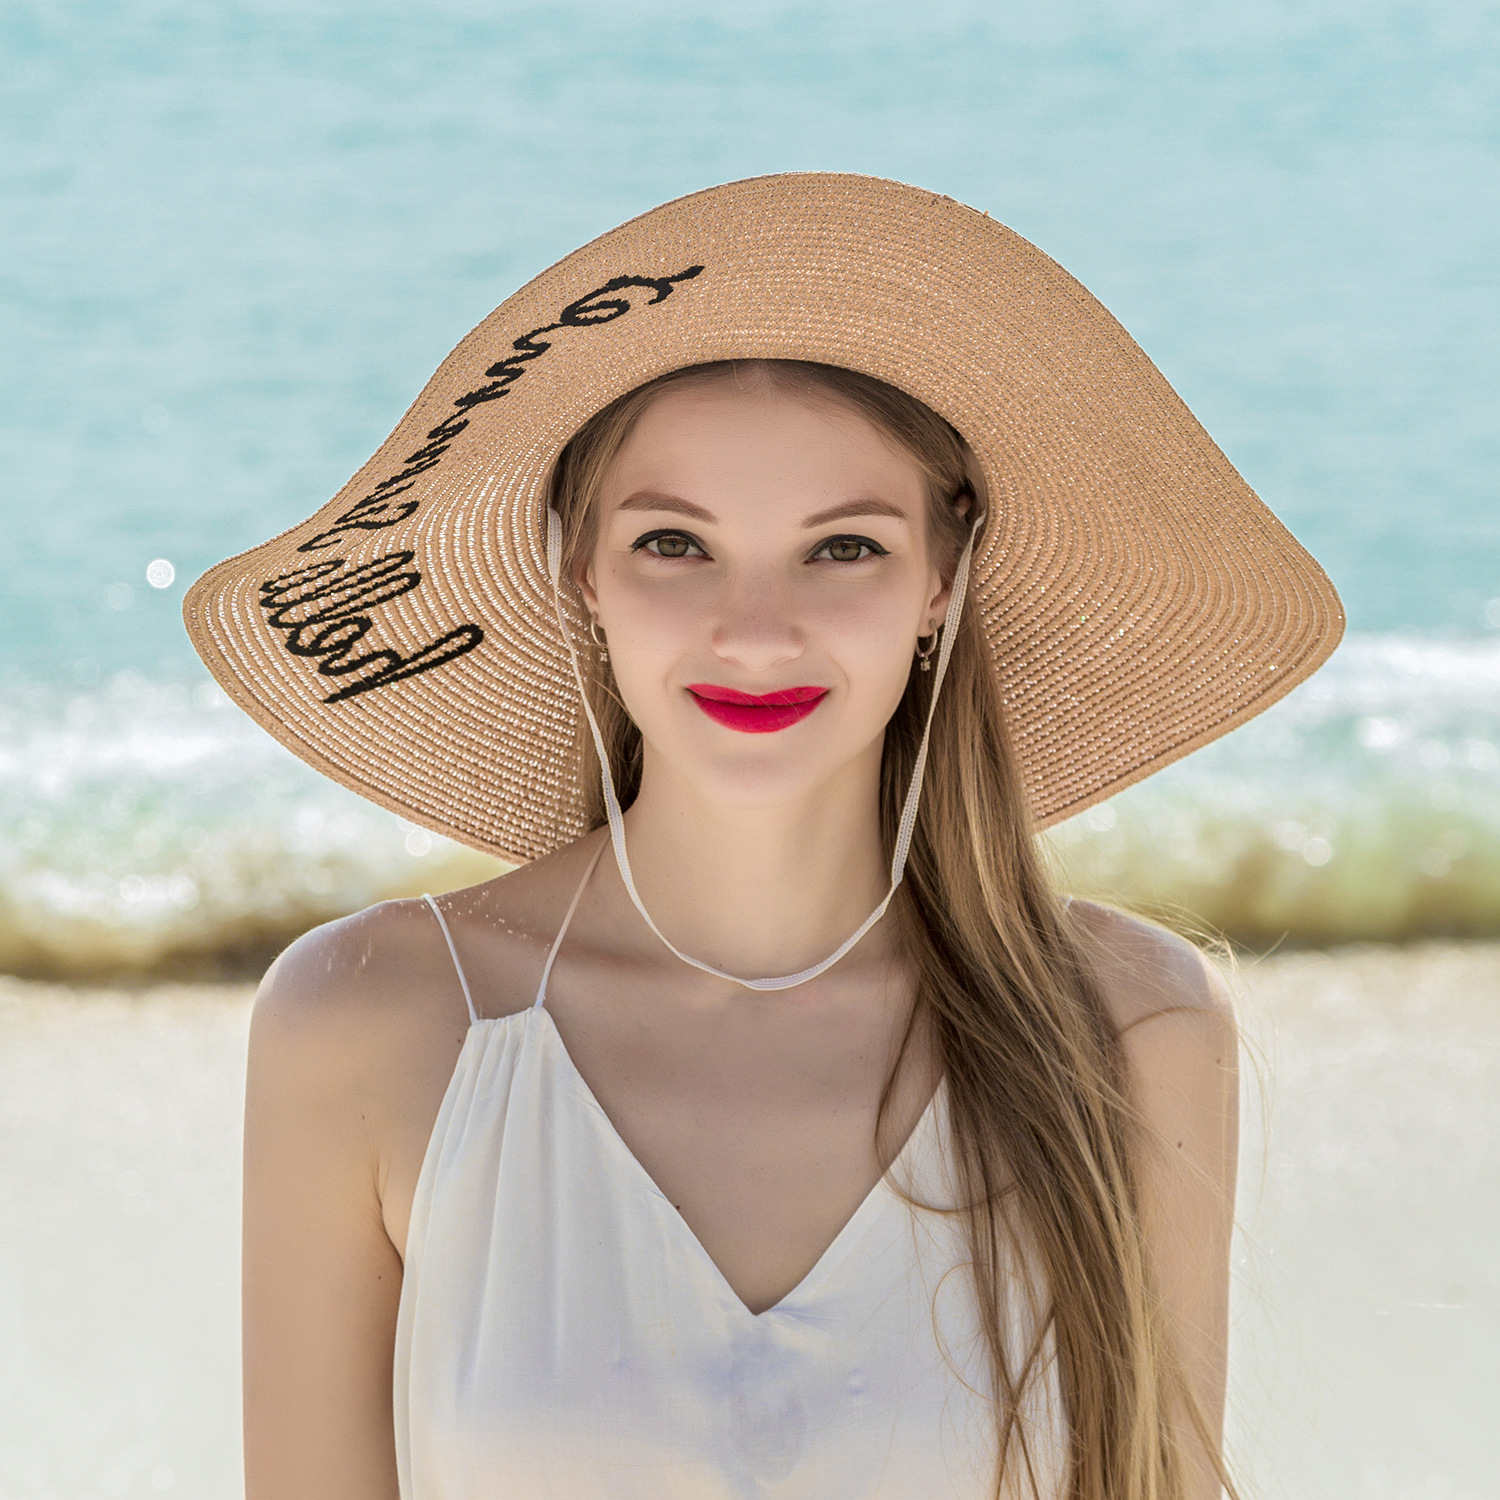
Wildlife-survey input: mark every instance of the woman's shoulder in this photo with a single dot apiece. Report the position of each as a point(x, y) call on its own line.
point(1143, 968)
point(366, 1012)
point(354, 987)
point(388, 966)
point(359, 966)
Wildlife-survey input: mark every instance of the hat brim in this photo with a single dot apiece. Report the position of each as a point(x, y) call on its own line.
point(1137, 598)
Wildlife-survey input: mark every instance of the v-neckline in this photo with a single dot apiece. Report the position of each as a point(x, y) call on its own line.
point(833, 1252)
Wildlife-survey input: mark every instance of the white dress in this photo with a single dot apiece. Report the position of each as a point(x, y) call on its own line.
point(562, 1333)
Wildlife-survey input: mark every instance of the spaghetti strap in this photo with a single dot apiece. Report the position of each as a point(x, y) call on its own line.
point(462, 979)
point(541, 989)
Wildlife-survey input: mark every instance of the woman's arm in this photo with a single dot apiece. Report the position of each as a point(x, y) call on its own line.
point(321, 1279)
point(1178, 1029)
point(1185, 1063)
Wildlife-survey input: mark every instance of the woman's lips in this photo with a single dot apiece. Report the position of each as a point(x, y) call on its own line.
point(751, 718)
point(777, 696)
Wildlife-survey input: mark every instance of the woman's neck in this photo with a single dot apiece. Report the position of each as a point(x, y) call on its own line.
point(752, 893)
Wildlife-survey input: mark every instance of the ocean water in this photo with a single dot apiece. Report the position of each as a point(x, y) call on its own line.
point(239, 239)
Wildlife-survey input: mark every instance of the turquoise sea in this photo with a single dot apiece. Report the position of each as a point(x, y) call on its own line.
point(239, 238)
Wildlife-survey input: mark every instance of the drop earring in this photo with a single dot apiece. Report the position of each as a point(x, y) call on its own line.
point(594, 636)
point(924, 656)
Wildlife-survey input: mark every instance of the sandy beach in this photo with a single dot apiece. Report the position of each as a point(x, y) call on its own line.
point(1366, 1301)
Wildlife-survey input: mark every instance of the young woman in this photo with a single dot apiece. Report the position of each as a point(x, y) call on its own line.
point(545, 1192)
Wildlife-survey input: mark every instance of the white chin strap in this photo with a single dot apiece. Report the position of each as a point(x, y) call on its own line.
point(908, 813)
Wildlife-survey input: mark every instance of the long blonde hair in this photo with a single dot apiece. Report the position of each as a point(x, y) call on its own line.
point(1035, 1070)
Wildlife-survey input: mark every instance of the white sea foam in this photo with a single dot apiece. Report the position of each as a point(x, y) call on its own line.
point(154, 825)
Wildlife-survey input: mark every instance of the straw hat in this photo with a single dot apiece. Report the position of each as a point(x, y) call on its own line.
point(1136, 597)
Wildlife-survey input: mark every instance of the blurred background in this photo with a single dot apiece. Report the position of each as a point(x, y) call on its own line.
point(239, 239)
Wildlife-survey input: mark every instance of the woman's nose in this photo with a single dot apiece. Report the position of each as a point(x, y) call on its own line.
point(757, 622)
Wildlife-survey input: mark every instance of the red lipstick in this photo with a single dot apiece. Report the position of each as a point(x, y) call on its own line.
point(756, 713)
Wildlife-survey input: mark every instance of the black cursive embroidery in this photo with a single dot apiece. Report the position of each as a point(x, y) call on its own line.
point(322, 607)
point(322, 610)
point(376, 510)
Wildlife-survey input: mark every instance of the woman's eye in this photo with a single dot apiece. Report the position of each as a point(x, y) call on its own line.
point(642, 543)
point(873, 549)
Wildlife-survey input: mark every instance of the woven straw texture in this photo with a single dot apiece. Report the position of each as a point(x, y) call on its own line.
point(1138, 599)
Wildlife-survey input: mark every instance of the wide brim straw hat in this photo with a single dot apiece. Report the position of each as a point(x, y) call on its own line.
point(1135, 597)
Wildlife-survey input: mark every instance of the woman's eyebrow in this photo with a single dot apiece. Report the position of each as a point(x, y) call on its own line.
point(863, 505)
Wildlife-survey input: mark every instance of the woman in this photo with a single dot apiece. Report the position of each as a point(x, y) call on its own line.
point(608, 1218)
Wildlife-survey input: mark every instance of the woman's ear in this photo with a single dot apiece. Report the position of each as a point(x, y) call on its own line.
point(937, 609)
point(937, 605)
point(584, 582)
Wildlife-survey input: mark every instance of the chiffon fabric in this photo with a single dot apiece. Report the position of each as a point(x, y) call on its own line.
point(562, 1333)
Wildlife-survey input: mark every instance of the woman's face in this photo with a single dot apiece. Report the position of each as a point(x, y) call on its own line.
point(708, 571)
